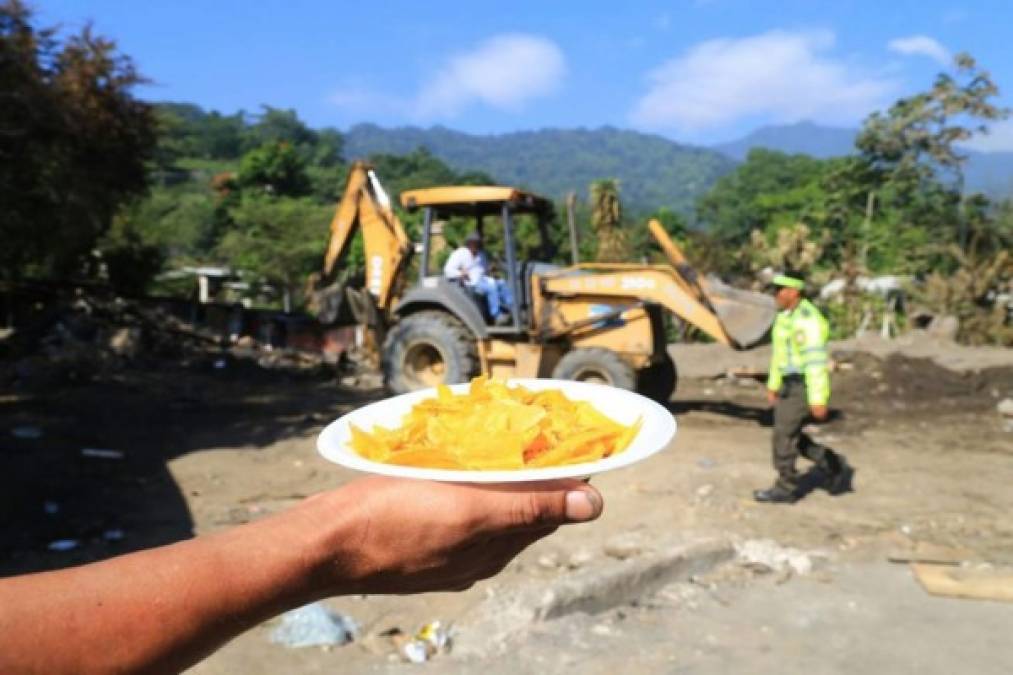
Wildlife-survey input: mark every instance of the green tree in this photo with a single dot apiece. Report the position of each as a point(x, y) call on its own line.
point(278, 239)
point(74, 143)
point(275, 168)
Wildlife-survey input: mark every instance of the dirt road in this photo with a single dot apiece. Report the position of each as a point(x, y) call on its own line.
point(207, 447)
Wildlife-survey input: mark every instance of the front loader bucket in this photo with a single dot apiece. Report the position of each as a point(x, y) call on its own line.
point(746, 316)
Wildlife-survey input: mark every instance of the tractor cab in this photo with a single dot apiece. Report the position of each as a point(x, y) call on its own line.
point(497, 213)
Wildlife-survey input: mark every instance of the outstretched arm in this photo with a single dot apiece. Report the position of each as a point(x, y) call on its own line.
point(164, 609)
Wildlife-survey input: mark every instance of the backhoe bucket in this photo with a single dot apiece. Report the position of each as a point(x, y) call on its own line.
point(746, 316)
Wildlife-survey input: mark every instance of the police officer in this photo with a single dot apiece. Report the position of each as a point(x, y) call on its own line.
point(798, 387)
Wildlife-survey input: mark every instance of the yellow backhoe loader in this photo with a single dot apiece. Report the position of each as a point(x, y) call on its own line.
point(594, 321)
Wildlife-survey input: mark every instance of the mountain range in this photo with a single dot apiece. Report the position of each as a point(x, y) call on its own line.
point(653, 171)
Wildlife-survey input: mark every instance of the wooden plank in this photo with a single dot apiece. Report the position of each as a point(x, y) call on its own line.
point(969, 583)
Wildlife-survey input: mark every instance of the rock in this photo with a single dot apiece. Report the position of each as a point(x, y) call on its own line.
point(549, 561)
point(943, 327)
point(579, 558)
point(125, 342)
point(768, 554)
point(624, 546)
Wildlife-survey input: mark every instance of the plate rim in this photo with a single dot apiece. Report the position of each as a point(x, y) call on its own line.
point(328, 443)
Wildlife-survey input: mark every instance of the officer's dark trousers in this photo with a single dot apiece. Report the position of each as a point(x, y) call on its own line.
point(790, 415)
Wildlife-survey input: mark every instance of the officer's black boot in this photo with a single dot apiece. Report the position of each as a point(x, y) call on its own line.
point(841, 474)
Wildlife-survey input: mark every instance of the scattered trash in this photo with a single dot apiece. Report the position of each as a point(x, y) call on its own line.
point(219, 364)
point(27, 432)
point(113, 535)
point(101, 453)
point(706, 463)
point(430, 640)
point(63, 545)
point(767, 555)
point(314, 625)
point(51, 508)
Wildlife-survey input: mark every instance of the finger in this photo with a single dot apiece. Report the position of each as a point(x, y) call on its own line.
point(534, 508)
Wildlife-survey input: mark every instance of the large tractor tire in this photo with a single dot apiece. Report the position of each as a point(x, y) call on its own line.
point(597, 365)
point(426, 349)
point(658, 381)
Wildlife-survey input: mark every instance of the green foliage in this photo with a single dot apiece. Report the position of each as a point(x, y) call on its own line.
point(769, 189)
point(73, 147)
point(278, 239)
point(275, 168)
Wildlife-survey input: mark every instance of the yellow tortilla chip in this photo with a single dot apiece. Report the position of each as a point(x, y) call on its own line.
point(496, 427)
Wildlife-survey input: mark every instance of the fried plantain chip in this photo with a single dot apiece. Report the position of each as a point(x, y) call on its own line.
point(496, 427)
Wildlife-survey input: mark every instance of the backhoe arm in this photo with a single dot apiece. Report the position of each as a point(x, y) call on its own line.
point(638, 283)
point(365, 205)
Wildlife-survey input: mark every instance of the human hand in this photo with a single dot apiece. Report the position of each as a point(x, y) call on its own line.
point(818, 412)
point(410, 536)
point(771, 397)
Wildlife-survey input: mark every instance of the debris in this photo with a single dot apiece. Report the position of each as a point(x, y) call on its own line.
point(125, 342)
point(706, 463)
point(981, 583)
point(102, 453)
point(50, 507)
point(314, 625)
point(63, 545)
point(27, 432)
point(1005, 407)
point(430, 640)
point(219, 364)
point(768, 556)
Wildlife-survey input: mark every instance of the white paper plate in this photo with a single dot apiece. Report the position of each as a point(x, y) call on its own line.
point(656, 432)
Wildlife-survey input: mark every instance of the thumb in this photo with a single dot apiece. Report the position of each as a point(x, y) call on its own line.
point(548, 506)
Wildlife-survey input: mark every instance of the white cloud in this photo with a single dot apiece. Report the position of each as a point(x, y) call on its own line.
point(920, 45)
point(779, 76)
point(998, 139)
point(504, 72)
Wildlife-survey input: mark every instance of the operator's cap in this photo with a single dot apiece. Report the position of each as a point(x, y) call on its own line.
point(473, 237)
point(788, 280)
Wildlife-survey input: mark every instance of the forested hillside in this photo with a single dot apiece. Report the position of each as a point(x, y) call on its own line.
point(653, 171)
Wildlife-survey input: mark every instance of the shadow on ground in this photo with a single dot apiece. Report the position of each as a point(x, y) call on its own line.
point(51, 491)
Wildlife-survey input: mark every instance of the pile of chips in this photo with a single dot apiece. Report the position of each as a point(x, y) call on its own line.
point(496, 427)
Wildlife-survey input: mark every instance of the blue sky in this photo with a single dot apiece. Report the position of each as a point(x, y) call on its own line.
point(698, 71)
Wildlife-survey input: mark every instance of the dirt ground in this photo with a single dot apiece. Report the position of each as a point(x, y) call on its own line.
point(213, 441)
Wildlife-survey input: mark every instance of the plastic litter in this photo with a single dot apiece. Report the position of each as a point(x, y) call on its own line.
point(113, 535)
point(431, 639)
point(314, 625)
point(51, 508)
point(63, 545)
point(220, 364)
point(706, 463)
point(101, 453)
point(27, 432)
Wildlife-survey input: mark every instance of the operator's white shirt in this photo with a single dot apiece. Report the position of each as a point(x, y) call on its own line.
point(462, 263)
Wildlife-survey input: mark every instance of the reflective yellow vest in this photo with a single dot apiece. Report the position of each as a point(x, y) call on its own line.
point(799, 339)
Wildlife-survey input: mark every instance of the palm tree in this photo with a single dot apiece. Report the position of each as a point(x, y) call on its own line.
point(606, 219)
